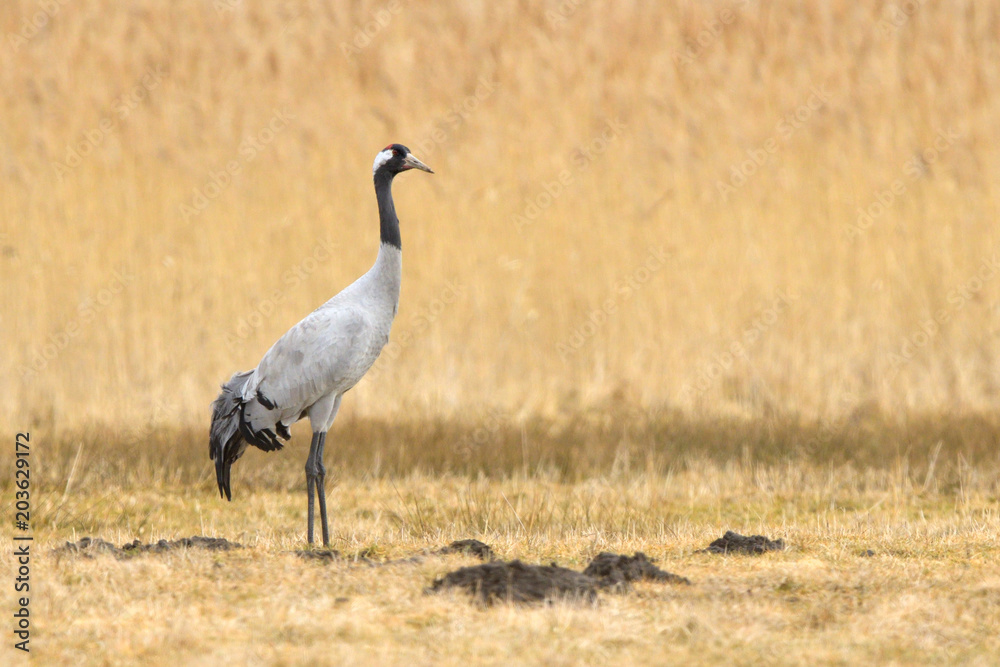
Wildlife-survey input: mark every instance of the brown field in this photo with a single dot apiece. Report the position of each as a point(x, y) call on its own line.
point(930, 594)
point(681, 268)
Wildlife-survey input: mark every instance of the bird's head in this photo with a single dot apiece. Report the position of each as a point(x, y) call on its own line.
point(395, 158)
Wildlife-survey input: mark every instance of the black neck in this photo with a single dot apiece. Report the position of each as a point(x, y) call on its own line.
point(388, 222)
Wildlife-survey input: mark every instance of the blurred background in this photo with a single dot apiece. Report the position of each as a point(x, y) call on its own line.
point(750, 213)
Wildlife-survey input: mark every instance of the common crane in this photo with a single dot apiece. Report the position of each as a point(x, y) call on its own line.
point(307, 372)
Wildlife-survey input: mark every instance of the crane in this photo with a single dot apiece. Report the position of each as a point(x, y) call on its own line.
point(308, 371)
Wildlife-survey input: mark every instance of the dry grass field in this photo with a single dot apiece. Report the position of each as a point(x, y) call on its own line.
point(681, 268)
point(930, 594)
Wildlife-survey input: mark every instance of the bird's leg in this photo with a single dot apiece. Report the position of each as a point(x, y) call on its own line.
point(321, 488)
point(311, 475)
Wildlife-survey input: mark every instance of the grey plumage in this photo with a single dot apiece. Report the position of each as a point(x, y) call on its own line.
point(308, 370)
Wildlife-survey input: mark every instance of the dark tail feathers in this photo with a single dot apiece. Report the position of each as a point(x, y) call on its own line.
point(225, 440)
point(231, 433)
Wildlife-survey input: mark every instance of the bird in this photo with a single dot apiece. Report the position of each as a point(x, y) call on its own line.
point(309, 369)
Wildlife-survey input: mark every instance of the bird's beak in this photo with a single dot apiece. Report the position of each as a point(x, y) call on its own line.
point(413, 163)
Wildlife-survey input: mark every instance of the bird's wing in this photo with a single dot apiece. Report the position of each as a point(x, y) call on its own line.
point(328, 350)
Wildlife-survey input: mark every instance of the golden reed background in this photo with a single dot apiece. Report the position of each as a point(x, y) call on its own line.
point(733, 210)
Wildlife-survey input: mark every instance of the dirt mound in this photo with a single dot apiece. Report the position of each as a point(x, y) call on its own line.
point(470, 548)
point(617, 571)
point(197, 541)
point(735, 543)
point(323, 555)
point(500, 581)
point(89, 548)
point(360, 558)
